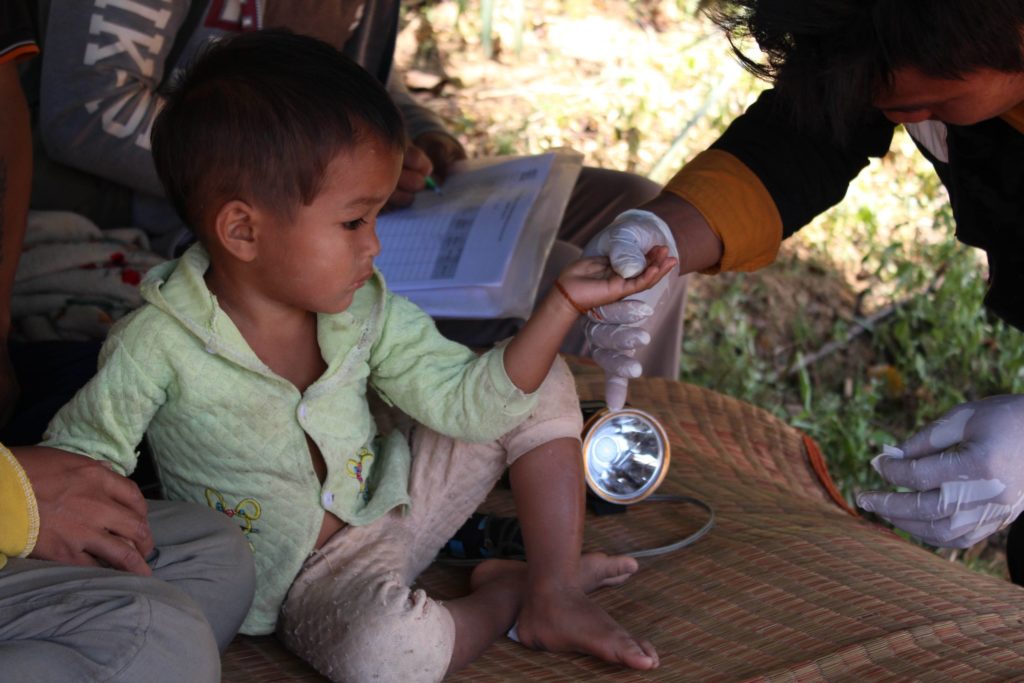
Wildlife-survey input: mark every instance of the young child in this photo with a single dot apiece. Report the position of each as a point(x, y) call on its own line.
point(248, 371)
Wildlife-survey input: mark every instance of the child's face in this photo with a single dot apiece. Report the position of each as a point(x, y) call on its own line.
point(319, 261)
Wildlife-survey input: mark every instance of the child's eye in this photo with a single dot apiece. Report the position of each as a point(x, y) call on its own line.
point(354, 225)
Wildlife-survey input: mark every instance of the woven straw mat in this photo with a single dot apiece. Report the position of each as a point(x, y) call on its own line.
point(788, 586)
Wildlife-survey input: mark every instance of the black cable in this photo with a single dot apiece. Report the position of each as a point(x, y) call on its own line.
point(643, 552)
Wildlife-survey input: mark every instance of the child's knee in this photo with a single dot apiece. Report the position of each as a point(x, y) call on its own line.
point(557, 414)
point(383, 632)
point(411, 645)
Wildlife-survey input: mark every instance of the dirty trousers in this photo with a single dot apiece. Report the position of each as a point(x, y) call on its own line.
point(351, 612)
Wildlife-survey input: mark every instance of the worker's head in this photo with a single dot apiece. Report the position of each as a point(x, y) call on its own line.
point(837, 60)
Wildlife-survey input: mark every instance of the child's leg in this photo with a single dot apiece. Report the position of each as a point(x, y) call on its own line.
point(548, 484)
point(351, 612)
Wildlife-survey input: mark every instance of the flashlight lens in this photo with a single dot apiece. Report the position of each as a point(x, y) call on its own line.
point(605, 449)
point(625, 454)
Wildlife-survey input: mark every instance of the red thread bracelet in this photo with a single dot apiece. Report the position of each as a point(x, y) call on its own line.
point(583, 311)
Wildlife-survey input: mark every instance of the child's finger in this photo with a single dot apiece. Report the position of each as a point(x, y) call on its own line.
point(657, 253)
point(647, 279)
point(655, 271)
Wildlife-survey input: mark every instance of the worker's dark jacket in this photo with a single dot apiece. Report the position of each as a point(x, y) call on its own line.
point(762, 181)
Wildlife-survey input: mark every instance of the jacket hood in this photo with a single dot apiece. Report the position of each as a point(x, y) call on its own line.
point(178, 288)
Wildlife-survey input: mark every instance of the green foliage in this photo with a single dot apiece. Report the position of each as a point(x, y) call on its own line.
point(945, 344)
point(848, 430)
point(719, 349)
point(939, 343)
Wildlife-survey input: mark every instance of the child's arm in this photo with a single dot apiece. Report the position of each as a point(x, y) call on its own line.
point(589, 282)
point(108, 417)
point(448, 388)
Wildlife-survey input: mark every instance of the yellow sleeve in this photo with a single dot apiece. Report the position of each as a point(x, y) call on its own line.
point(19, 516)
point(736, 205)
point(1015, 117)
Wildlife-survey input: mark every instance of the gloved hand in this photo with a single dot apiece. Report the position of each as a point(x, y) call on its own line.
point(967, 471)
point(615, 331)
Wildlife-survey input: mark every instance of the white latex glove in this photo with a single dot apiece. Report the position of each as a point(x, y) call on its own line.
point(615, 331)
point(967, 471)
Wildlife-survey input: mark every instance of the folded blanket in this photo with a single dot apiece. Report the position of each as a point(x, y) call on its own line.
point(74, 280)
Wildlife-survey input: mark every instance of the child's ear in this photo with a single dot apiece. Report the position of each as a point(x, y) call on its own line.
point(236, 227)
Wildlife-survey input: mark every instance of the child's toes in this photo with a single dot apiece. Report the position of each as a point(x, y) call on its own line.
point(598, 570)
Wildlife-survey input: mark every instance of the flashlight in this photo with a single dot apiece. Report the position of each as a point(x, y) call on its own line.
point(625, 455)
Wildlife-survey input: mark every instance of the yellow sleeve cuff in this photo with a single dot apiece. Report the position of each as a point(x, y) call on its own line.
point(1015, 117)
point(19, 515)
point(736, 205)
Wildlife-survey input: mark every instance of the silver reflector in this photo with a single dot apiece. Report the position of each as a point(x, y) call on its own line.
point(625, 455)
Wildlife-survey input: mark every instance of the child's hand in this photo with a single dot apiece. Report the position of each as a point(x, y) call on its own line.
point(591, 282)
point(585, 284)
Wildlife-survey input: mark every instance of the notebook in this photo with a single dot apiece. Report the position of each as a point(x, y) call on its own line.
point(477, 248)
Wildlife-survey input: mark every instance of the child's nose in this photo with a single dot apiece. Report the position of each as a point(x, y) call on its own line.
point(372, 242)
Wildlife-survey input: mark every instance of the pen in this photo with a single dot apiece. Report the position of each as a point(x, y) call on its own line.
point(432, 185)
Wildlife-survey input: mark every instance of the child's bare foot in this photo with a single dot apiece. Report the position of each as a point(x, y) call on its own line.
point(564, 619)
point(597, 570)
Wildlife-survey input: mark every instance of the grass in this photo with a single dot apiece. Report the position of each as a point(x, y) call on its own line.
point(643, 85)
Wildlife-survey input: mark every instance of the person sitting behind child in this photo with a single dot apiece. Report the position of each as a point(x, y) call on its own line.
point(248, 370)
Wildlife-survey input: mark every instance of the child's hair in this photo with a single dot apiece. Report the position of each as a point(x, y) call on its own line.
point(832, 57)
point(259, 117)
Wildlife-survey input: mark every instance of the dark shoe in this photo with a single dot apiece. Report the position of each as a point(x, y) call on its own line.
point(485, 537)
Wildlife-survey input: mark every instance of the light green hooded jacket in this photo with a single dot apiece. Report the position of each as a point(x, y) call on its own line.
point(227, 432)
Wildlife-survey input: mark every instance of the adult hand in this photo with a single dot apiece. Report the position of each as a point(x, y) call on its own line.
point(614, 331)
point(88, 514)
point(432, 154)
point(966, 470)
point(443, 151)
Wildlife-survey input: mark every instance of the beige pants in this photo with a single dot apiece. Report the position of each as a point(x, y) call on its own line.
point(351, 612)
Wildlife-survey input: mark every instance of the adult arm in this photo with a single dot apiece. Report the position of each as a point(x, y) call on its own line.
point(729, 209)
point(760, 182)
point(15, 182)
point(731, 206)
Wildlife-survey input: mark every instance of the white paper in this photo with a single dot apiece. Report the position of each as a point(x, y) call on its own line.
point(477, 250)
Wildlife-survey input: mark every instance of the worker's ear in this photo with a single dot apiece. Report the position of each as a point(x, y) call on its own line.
point(236, 228)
